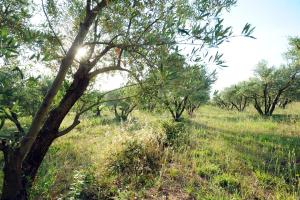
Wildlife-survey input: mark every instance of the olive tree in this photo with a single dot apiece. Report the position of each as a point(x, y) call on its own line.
point(236, 96)
point(220, 101)
point(270, 84)
point(180, 85)
point(123, 102)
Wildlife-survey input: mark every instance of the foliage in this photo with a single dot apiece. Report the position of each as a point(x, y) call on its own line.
point(123, 102)
point(177, 85)
point(208, 171)
point(174, 133)
point(136, 165)
point(14, 26)
point(233, 97)
point(228, 182)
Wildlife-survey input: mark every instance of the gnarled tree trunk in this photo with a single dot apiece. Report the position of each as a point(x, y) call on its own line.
point(19, 175)
point(13, 184)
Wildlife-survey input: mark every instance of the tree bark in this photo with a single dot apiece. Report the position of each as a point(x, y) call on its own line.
point(257, 107)
point(18, 175)
point(13, 184)
point(50, 130)
point(98, 112)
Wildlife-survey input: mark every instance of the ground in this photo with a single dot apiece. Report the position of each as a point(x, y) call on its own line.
point(217, 154)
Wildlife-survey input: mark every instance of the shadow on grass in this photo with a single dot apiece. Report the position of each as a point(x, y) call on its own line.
point(288, 118)
point(276, 154)
point(284, 118)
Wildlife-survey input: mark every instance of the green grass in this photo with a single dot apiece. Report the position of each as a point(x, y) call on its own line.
point(218, 154)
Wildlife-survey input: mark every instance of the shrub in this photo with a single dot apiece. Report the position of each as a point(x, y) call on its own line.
point(208, 171)
point(228, 182)
point(137, 164)
point(268, 181)
point(174, 132)
point(85, 186)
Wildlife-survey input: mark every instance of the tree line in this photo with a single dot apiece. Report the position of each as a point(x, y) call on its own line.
point(271, 86)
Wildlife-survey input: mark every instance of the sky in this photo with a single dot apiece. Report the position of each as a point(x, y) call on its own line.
point(275, 21)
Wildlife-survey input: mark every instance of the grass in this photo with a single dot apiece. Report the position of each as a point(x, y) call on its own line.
point(259, 156)
point(218, 154)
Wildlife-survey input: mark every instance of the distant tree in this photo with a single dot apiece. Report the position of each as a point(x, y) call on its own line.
point(196, 100)
point(293, 57)
point(219, 101)
point(123, 102)
point(180, 85)
point(235, 97)
point(291, 95)
point(271, 86)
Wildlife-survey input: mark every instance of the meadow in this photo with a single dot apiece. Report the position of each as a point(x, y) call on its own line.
point(217, 154)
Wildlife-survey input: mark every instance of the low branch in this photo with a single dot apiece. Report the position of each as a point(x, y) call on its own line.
point(109, 46)
point(100, 102)
point(71, 127)
point(13, 117)
point(105, 69)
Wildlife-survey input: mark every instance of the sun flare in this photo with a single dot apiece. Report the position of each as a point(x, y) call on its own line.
point(81, 53)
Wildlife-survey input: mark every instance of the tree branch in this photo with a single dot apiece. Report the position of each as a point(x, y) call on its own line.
point(102, 70)
point(3, 145)
point(100, 102)
point(12, 116)
point(52, 29)
point(71, 127)
point(43, 110)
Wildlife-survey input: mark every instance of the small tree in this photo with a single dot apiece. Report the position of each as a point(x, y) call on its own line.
point(196, 100)
point(123, 102)
point(235, 97)
point(180, 85)
point(270, 85)
point(219, 101)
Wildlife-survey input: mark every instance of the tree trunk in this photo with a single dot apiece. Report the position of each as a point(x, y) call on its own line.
point(18, 175)
point(13, 184)
point(117, 116)
point(98, 112)
point(258, 108)
point(285, 104)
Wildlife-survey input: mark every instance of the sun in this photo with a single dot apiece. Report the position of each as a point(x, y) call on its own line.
point(81, 53)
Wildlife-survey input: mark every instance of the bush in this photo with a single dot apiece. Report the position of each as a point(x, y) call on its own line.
point(85, 186)
point(208, 171)
point(268, 181)
point(137, 164)
point(228, 182)
point(174, 132)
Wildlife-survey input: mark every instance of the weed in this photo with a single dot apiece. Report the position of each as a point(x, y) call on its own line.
point(228, 182)
point(136, 165)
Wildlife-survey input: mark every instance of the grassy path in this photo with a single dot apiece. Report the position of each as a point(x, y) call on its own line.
point(248, 156)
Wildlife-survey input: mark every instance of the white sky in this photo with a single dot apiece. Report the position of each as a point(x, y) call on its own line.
point(274, 20)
